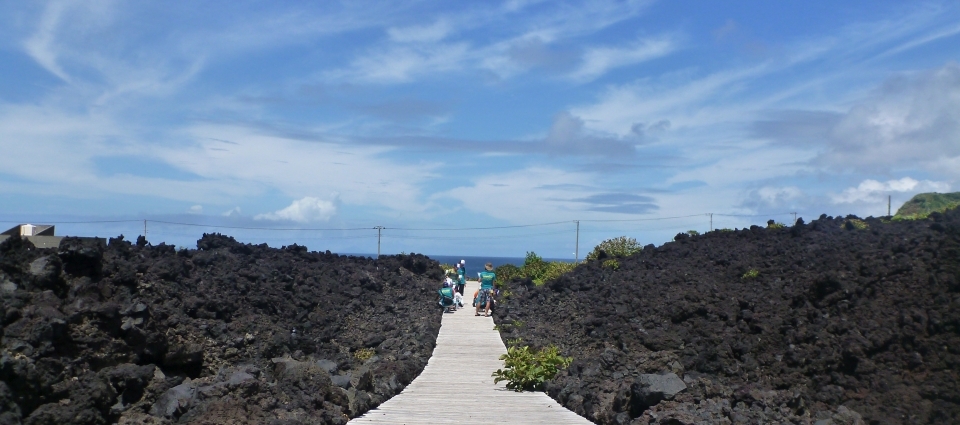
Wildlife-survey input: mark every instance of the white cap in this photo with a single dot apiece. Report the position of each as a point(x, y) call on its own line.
point(463, 261)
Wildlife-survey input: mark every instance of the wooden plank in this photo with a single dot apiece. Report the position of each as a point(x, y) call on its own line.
point(456, 386)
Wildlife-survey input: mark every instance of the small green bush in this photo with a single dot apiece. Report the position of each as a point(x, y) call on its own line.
point(534, 268)
point(506, 273)
point(505, 326)
point(364, 354)
point(621, 246)
point(611, 264)
point(774, 225)
point(693, 233)
point(853, 223)
point(554, 270)
point(750, 274)
point(527, 370)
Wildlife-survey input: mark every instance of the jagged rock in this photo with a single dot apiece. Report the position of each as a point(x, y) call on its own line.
point(328, 365)
point(175, 401)
point(342, 381)
point(650, 389)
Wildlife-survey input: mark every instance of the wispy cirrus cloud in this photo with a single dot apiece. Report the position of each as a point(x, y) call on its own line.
point(598, 60)
point(417, 51)
point(40, 45)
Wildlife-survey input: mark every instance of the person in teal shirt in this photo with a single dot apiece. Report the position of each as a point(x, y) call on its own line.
point(447, 298)
point(461, 275)
point(485, 297)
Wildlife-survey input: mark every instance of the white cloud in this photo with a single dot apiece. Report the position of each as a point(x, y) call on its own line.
point(911, 120)
point(235, 211)
point(875, 191)
point(305, 210)
point(196, 209)
point(40, 45)
point(598, 60)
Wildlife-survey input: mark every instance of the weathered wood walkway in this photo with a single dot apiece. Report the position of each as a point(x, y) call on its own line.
point(456, 386)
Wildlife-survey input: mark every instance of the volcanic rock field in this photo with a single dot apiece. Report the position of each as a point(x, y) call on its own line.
point(836, 321)
point(229, 333)
point(828, 322)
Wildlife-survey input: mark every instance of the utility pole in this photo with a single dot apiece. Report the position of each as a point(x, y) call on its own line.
point(144, 229)
point(794, 218)
point(576, 252)
point(888, 205)
point(379, 228)
point(711, 221)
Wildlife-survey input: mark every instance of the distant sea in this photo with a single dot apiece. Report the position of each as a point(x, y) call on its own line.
point(475, 264)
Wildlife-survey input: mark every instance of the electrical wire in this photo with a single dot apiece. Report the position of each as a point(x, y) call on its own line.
point(301, 229)
point(482, 228)
point(643, 219)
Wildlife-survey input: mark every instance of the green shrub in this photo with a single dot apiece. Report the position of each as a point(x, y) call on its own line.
point(611, 264)
point(506, 273)
point(554, 270)
point(750, 274)
point(448, 270)
point(508, 326)
point(621, 246)
point(853, 223)
point(364, 354)
point(774, 225)
point(534, 268)
point(527, 370)
point(693, 233)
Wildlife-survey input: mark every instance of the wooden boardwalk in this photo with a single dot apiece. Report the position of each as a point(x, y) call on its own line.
point(456, 386)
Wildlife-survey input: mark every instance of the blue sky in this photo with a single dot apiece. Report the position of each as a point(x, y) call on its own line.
point(636, 118)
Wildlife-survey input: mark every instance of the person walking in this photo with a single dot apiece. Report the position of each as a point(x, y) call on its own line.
point(485, 297)
point(461, 275)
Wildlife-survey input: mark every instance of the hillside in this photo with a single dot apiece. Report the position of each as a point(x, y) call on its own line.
point(227, 333)
point(832, 320)
point(922, 204)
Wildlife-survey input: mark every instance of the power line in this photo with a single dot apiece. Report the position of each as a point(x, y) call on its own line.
point(482, 228)
point(754, 215)
point(389, 236)
point(262, 228)
point(644, 219)
point(267, 238)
